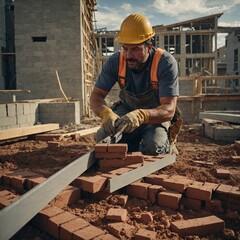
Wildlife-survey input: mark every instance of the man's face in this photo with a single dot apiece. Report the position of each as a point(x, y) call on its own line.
point(136, 54)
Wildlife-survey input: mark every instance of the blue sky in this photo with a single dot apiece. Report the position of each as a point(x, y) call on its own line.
point(110, 13)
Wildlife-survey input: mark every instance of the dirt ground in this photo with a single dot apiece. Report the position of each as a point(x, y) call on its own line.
point(198, 159)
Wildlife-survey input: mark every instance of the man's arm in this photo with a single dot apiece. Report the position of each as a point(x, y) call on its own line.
point(164, 112)
point(97, 101)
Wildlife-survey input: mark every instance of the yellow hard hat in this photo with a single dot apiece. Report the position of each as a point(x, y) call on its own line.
point(135, 29)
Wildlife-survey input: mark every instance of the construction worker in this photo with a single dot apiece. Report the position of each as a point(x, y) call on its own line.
point(147, 106)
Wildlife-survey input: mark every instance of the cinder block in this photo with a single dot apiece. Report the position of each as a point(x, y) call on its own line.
point(34, 181)
point(198, 226)
point(9, 121)
point(169, 199)
point(87, 233)
point(106, 237)
point(55, 222)
point(117, 214)
point(3, 110)
point(22, 119)
point(11, 109)
point(144, 234)
point(138, 189)
point(66, 229)
point(19, 109)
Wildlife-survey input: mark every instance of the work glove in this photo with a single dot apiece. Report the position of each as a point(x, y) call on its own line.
point(132, 120)
point(108, 120)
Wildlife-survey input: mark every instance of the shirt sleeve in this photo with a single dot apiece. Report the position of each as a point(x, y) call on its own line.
point(109, 73)
point(168, 76)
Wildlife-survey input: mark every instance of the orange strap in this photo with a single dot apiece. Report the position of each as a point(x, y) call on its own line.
point(122, 70)
point(156, 58)
point(153, 74)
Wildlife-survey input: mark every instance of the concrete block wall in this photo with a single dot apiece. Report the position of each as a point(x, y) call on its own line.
point(14, 115)
point(24, 114)
point(62, 113)
point(37, 61)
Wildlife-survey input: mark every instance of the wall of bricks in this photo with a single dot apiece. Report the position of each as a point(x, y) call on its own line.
point(24, 114)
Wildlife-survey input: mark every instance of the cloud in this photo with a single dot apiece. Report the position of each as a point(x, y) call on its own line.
point(126, 6)
point(186, 9)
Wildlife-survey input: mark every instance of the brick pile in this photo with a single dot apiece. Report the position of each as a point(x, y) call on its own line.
point(175, 192)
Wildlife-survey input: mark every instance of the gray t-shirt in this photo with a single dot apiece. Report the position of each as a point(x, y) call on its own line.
point(138, 83)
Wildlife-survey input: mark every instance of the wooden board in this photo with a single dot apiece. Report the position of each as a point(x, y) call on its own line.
point(125, 179)
point(60, 136)
point(25, 131)
point(222, 116)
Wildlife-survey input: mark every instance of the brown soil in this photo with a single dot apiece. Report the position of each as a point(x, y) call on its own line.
point(192, 146)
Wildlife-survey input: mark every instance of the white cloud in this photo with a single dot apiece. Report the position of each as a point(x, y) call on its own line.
point(185, 9)
point(126, 6)
point(232, 24)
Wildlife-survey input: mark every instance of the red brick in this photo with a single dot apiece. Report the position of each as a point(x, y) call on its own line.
point(19, 183)
point(223, 173)
point(169, 199)
point(156, 179)
point(110, 155)
point(138, 189)
point(34, 181)
point(118, 199)
point(144, 234)
point(5, 193)
point(118, 163)
point(55, 222)
point(93, 184)
point(117, 214)
point(201, 191)
point(214, 206)
point(7, 200)
point(101, 147)
point(106, 237)
point(87, 233)
point(176, 183)
point(66, 229)
point(223, 191)
point(67, 197)
point(119, 147)
point(153, 191)
point(190, 203)
point(101, 195)
point(146, 217)
point(117, 228)
point(41, 220)
point(198, 226)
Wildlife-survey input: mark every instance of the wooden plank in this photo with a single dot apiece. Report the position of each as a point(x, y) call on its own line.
point(25, 131)
point(16, 215)
point(125, 179)
point(60, 136)
point(222, 116)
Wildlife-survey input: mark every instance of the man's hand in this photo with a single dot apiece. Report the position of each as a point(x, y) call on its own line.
point(132, 120)
point(108, 120)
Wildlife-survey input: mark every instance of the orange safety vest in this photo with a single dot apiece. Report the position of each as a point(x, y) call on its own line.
point(153, 74)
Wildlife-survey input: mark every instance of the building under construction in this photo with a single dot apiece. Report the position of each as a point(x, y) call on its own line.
point(53, 52)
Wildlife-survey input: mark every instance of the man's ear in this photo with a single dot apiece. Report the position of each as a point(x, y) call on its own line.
point(149, 47)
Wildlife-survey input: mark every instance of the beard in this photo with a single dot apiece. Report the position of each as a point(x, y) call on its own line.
point(134, 64)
